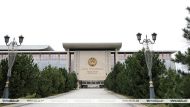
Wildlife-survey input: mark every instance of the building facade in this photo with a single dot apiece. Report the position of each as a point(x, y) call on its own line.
point(92, 62)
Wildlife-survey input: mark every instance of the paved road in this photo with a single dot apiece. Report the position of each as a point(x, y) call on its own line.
point(87, 94)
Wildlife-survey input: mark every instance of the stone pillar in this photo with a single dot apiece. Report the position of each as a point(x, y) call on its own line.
point(68, 61)
point(107, 62)
point(76, 62)
point(78, 85)
point(115, 57)
point(70, 69)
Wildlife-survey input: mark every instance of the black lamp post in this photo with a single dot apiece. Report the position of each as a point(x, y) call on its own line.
point(11, 59)
point(148, 58)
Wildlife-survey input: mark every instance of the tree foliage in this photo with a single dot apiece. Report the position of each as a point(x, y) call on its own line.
point(187, 29)
point(110, 82)
point(186, 86)
point(51, 81)
point(170, 85)
point(24, 76)
point(71, 82)
point(131, 78)
point(184, 58)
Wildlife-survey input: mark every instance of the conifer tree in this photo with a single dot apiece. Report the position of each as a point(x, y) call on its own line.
point(187, 29)
point(184, 58)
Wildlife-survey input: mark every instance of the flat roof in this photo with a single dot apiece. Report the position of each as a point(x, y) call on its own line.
point(154, 51)
point(72, 52)
point(28, 48)
point(92, 46)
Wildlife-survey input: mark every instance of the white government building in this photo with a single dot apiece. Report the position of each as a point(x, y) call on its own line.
point(92, 62)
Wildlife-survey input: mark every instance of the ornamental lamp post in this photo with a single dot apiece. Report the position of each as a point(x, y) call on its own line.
point(148, 57)
point(154, 37)
point(6, 39)
point(11, 60)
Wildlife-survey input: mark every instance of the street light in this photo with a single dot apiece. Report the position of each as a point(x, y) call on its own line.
point(11, 59)
point(148, 58)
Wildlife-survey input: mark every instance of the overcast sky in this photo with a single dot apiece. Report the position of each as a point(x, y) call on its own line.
point(52, 22)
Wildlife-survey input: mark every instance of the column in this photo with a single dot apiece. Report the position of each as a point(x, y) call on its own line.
point(68, 61)
point(115, 57)
point(108, 62)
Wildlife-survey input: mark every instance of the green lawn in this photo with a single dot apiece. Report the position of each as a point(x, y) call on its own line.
point(156, 105)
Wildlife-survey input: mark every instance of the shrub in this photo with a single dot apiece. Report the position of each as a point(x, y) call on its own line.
point(131, 78)
point(186, 86)
point(110, 81)
point(71, 82)
point(170, 85)
point(51, 81)
point(23, 80)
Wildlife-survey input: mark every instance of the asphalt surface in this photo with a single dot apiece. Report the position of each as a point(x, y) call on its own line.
point(88, 94)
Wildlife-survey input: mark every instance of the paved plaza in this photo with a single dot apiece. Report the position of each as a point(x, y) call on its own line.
point(86, 94)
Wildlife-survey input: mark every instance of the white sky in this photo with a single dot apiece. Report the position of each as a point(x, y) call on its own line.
point(52, 22)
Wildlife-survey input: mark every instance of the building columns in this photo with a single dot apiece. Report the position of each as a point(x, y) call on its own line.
point(115, 57)
point(68, 61)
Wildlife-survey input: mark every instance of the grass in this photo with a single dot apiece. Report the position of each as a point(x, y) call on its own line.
point(26, 97)
point(156, 105)
point(30, 96)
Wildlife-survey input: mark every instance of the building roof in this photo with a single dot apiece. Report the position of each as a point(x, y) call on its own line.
point(92, 46)
point(64, 52)
point(29, 48)
point(154, 51)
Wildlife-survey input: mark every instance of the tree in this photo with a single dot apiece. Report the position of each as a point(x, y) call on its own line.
point(62, 87)
point(24, 76)
point(121, 79)
point(110, 81)
point(71, 82)
point(1, 81)
point(137, 76)
point(136, 68)
point(187, 29)
point(3, 71)
point(51, 81)
point(131, 78)
point(184, 58)
point(170, 85)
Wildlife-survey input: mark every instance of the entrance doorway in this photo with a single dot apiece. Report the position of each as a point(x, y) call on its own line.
point(91, 84)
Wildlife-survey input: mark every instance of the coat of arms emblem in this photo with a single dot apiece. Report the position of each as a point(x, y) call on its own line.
point(92, 61)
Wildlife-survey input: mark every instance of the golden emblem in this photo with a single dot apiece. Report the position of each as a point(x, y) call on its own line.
point(92, 61)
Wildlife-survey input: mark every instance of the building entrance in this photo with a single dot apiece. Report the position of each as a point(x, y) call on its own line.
point(91, 84)
point(92, 62)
